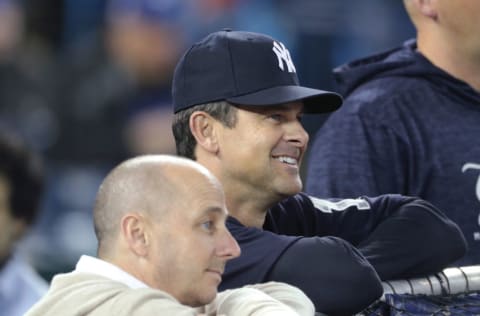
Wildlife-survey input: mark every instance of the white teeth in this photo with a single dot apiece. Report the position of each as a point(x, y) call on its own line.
point(288, 160)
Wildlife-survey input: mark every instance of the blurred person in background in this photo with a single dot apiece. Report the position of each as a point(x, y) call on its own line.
point(21, 187)
point(112, 85)
point(410, 123)
point(11, 18)
point(26, 75)
point(110, 77)
point(145, 38)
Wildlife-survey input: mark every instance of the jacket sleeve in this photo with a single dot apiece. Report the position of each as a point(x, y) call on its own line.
point(253, 301)
point(400, 236)
point(333, 274)
point(415, 240)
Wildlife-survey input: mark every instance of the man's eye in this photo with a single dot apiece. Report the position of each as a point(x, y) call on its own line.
point(276, 117)
point(208, 225)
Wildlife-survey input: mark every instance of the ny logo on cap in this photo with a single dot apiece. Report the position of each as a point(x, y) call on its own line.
point(283, 56)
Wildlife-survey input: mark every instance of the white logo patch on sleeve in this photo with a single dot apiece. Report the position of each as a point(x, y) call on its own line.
point(341, 205)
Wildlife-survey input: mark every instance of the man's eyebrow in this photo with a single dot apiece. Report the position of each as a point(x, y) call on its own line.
point(215, 210)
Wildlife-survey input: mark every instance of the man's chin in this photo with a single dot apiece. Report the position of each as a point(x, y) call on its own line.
point(288, 191)
point(205, 299)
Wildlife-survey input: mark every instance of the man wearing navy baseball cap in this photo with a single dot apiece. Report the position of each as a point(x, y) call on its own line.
point(238, 106)
point(243, 68)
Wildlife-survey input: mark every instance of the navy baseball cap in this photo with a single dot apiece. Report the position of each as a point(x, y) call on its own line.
point(243, 68)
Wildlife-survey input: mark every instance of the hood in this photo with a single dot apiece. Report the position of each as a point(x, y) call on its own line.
point(402, 61)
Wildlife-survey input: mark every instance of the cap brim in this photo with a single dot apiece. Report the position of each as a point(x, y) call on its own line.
point(315, 101)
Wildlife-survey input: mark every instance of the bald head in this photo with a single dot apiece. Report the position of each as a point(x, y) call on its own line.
point(148, 185)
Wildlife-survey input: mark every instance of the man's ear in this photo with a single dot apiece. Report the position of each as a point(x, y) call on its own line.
point(203, 129)
point(427, 8)
point(135, 233)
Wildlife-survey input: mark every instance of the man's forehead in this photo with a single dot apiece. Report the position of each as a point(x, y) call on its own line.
point(216, 211)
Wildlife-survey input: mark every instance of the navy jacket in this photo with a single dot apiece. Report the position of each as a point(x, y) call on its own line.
point(406, 127)
point(299, 244)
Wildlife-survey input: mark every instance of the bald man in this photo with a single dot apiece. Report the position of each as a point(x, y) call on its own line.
point(162, 249)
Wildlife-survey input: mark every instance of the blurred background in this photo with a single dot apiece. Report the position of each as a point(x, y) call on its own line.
point(87, 84)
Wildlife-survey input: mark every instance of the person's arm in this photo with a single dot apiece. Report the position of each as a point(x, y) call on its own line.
point(400, 236)
point(289, 295)
point(331, 272)
point(416, 240)
point(253, 301)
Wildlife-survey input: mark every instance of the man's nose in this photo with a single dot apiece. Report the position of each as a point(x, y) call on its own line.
point(297, 134)
point(228, 247)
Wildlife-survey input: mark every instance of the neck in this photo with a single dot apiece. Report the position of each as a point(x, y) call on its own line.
point(247, 204)
point(460, 61)
point(248, 210)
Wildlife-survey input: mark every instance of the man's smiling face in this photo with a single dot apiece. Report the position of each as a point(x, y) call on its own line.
point(263, 151)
